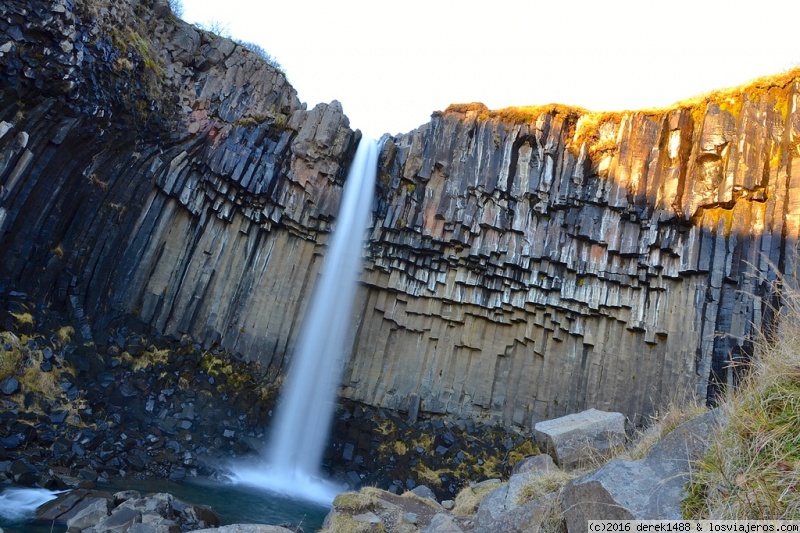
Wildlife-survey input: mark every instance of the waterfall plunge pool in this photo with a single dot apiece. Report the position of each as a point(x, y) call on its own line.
point(234, 503)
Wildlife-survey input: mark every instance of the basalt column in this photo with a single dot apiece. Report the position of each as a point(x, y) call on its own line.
point(526, 267)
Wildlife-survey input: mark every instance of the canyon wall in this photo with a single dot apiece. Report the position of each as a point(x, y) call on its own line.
point(522, 264)
point(534, 262)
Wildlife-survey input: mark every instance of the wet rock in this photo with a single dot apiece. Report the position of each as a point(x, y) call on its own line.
point(58, 417)
point(12, 442)
point(201, 515)
point(62, 507)
point(24, 473)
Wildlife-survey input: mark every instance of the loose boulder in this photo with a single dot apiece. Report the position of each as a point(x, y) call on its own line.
point(9, 385)
point(648, 489)
point(246, 528)
point(576, 439)
point(96, 510)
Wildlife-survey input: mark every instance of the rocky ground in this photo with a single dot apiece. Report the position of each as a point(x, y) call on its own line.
point(81, 408)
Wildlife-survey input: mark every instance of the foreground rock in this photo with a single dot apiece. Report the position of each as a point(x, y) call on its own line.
point(246, 528)
point(580, 438)
point(525, 503)
point(128, 511)
point(648, 489)
point(541, 496)
point(374, 510)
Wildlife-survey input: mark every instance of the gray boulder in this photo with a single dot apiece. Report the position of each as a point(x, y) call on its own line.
point(424, 492)
point(245, 528)
point(535, 463)
point(9, 386)
point(649, 489)
point(503, 510)
point(492, 506)
point(575, 439)
point(120, 521)
point(154, 527)
point(96, 510)
point(521, 519)
point(443, 523)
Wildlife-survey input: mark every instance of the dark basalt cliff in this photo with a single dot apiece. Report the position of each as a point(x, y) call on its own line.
point(522, 264)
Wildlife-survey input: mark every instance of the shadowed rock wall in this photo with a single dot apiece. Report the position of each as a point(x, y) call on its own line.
point(521, 266)
point(151, 168)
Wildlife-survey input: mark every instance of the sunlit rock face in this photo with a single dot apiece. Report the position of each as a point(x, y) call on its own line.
point(521, 266)
point(526, 270)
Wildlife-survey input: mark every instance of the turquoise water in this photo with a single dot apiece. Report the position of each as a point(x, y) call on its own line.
point(234, 504)
point(237, 504)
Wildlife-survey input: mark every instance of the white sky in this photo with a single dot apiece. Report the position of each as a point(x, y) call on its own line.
point(392, 63)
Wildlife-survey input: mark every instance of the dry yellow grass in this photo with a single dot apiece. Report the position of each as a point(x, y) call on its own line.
point(549, 481)
point(598, 128)
point(468, 498)
point(752, 468)
point(670, 417)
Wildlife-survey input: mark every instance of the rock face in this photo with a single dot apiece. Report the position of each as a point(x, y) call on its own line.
point(531, 267)
point(200, 213)
point(521, 266)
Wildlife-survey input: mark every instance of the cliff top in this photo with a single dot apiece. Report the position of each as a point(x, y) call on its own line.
point(726, 97)
point(588, 123)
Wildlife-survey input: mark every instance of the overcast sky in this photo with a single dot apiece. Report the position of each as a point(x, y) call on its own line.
point(391, 64)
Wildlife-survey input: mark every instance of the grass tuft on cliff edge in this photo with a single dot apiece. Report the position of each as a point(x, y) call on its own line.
point(752, 467)
point(598, 129)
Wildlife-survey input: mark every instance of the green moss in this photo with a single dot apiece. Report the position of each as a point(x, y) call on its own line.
point(428, 476)
point(249, 121)
point(23, 319)
point(281, 121)
point(526, 449)
point(150, 359)
point(695, 504)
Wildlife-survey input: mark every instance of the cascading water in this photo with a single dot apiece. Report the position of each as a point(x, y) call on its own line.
point(307, 402)
point(20, 503)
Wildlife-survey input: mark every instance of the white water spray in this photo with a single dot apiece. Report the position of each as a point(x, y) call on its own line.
point(18, 503)
point(307, 402)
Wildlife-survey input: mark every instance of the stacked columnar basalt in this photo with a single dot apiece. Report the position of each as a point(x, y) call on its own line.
point(532, 263)
point(522, 265)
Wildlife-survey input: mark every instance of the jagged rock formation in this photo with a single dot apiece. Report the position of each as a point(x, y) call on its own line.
point(533, 263)
point(195, 205)
point(521, 266)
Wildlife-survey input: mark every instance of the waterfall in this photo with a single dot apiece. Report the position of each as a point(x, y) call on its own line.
point(305, 408)
point(19, 504)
